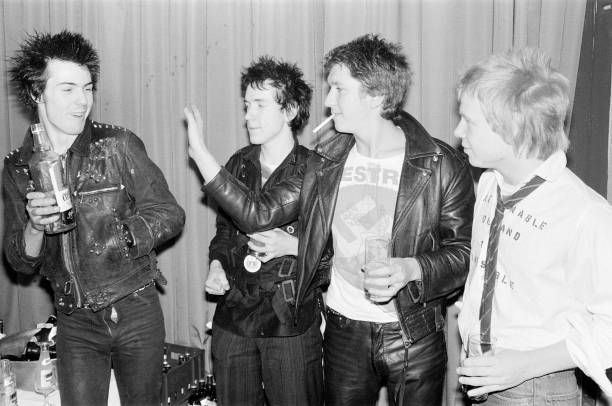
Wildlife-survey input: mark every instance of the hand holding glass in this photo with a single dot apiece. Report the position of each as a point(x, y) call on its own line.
point(475, 348)
point(377, 249)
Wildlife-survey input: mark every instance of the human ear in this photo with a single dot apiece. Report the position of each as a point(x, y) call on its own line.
point(290, 112)
point(376, 101)
point(37, 99)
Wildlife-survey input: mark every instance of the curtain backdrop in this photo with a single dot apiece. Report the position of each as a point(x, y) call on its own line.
point(158, 55)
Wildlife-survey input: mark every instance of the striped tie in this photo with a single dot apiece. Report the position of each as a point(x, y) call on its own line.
point(488, 290)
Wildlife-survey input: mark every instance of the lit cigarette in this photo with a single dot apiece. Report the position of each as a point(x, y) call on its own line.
point(317, 128)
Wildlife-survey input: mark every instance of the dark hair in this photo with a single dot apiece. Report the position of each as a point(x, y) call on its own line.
point(28, 71)
point(292, 92)
point(379, 65)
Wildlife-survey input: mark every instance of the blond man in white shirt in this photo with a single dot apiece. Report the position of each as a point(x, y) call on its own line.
point(551, 310)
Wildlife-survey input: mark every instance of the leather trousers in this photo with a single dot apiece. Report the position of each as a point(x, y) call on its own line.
point(361, 357)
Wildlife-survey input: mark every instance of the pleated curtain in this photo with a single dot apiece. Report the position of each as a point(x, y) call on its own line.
point(159, 55)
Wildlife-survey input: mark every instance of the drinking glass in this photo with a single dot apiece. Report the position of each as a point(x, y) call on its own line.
point(377, 249)
point(475, 349)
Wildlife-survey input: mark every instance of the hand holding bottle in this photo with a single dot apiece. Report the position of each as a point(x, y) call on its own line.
point(48, 176)
point(42, 209)
point(216, 283)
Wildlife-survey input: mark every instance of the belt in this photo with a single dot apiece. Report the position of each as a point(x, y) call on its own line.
point(86, 305)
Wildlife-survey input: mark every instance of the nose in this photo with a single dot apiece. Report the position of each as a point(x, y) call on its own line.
point(248, 113)
point(81, 97)
point(460, 130)
point(329, 99)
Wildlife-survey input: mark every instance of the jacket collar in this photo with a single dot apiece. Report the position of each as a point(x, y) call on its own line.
point(80, 146)
point(252, 154)
point(418, 141)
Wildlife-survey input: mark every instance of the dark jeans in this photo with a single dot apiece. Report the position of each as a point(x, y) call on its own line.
point(361, 357)
point(283, 370)
point(89, 343)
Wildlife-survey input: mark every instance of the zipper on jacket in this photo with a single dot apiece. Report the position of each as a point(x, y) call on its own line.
point(103, 190)
point(67, 244)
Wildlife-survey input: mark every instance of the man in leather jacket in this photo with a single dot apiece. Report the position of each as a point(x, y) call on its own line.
point(382, 174)
point(103, 271)
point(257, 333)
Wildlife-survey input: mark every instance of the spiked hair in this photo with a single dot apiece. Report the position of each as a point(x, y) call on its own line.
point(292, 92)
point(28, 72)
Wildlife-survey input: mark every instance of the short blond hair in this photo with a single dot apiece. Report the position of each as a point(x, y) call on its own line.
point(523, 99)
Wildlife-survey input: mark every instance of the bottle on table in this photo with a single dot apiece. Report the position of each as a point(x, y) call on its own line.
point(165, 364)
point(45, 378)
point(210, 398)
point(8, 386)
point(47, 174)
point(195, 397)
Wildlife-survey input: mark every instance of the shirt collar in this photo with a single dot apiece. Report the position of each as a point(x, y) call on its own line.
point(549, 170)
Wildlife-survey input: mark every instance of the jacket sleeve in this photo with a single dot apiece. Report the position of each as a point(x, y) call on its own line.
point(227, 235)
point(445, 270)
point(221, 245)
point(15, 221)
point(158, 217)
point(257, 211)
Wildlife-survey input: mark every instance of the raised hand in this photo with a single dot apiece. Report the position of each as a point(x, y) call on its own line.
point(197, 150)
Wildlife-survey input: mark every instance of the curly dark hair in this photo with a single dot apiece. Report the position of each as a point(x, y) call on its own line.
point(379, 65)
point(292, 92)
point(28, 71)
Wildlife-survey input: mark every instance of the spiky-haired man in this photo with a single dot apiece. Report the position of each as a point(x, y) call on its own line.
point(263, 348)
point(103, 271)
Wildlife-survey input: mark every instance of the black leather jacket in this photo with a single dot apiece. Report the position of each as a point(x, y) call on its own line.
point(432, 222)
point(262, 304)
point(112, 182)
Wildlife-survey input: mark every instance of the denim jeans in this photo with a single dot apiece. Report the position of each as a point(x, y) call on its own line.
point(556, 389)
point(88, 343)
point(361, 357)
point(282, 370)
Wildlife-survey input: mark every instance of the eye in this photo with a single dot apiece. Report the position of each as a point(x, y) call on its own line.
point(89, 89)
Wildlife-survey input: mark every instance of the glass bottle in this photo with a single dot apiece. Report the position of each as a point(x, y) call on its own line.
point(165, 364)
point(194, 395)
point(8, 387)
point(45, 378)
point(47, 173)
point(211, 392)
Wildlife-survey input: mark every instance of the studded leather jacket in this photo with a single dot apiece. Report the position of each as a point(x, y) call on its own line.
point(115, 188)
point(432, 220)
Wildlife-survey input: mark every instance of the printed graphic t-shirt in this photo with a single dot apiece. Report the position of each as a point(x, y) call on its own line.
point(365, 208)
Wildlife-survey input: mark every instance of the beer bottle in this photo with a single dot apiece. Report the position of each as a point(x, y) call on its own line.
point(165, 364)
point(210, 398)
point(47, 173)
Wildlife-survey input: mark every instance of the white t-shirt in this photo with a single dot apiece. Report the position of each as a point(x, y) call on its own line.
point(365, 207)
point(554, 269)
